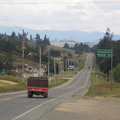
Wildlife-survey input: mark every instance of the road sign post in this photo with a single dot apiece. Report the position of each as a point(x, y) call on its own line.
point(106, 53)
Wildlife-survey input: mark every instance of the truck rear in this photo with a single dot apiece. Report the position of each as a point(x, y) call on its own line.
point(37, 86)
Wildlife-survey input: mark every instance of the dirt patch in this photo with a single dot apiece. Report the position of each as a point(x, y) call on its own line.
point(98, 108)
point(8, 82)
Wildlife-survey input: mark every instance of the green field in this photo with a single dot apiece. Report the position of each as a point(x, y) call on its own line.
point(100, 86)
point(56, 80)
point(11, 84)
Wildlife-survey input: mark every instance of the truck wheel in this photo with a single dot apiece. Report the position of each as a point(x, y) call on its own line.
point(45, 95)
point(30, 94)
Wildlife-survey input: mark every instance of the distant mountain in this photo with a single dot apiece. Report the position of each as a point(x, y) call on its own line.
point(55, 35)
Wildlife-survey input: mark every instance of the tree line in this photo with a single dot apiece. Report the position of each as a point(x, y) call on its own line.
point(79, 48)
point(105, 63)
point(12, 44)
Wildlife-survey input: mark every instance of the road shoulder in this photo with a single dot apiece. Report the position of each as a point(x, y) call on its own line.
point(86, 108)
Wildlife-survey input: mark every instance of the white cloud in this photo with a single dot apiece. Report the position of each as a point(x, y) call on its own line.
point(108, 4)
point(89, 15)
point(76, 6)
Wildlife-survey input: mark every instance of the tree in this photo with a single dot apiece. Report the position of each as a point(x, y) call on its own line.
point(55, 53)
point(13, 35)
point(105, 43)
point(66, 45)
point(38, 42)
point(31, 38)
point(38, 39)
point(1, 63)
point(80, 48)
point(69, 54)
point(6, 62)
point(117, 73)
point(76, 46)
point(46, 40)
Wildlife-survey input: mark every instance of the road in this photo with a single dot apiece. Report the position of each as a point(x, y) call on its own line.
point(17, 106)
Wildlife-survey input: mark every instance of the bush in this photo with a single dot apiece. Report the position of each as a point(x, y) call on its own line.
point(117, 73)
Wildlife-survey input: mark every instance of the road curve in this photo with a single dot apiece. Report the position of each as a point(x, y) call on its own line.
point(16, 106)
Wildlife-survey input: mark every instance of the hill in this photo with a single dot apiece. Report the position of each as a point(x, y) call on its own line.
point(55, 35)
point(71, 44)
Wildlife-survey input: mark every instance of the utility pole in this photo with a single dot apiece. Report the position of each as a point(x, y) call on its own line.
point(48, 66)
point(40, 62)
point(23, 49)
point(63, 69)
point(66, 67)
point(23, 63)
point(59, 71)
point(54, 72)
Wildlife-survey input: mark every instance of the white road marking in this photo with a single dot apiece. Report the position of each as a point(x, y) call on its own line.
point(52, 99)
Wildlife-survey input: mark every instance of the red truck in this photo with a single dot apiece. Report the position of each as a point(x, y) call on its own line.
point(37, 86)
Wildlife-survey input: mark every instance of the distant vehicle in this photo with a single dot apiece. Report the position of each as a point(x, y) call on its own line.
point(87, 67)
point(51, 74)
point(37, 86)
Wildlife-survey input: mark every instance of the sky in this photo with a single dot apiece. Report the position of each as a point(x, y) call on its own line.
point(83, 15)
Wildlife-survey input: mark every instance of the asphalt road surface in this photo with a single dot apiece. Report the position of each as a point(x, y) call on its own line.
point(17, 106)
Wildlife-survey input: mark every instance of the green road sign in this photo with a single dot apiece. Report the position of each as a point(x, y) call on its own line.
point(104, 53)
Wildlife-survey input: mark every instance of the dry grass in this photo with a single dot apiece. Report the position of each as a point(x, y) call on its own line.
point(6, 84)
point(101, 87)
point(7, 87)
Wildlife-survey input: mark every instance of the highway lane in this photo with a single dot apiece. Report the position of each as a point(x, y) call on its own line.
point(16, 106)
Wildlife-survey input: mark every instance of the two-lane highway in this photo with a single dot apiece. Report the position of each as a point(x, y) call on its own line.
point(16, 106)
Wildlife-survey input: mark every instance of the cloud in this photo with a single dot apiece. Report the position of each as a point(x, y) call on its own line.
point(107, 4)
point(76, 6)
point(61, 15)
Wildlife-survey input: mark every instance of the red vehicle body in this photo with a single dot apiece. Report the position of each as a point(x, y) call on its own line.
point(37, 86)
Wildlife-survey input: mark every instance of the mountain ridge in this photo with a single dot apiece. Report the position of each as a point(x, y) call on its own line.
point(57, 35)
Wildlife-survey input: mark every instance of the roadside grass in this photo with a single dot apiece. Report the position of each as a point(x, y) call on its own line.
point(60, 79)
point(12, 88)
point(81, 60)
point(56, 80)
point(8, 87)
point(68, 75)
point(10, 78)
point(100, 86)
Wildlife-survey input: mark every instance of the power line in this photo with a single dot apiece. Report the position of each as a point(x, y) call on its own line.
point(4, 19)
point(3, 25)
point(23, 3)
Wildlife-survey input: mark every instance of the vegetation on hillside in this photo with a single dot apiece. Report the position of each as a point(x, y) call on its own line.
point(104, 63)
point(79, 48)
point(12, 46)
point(116, 72)
point(100, 86)
point(10, 83)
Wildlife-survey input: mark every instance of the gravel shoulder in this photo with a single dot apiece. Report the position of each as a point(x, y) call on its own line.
point(86, 108)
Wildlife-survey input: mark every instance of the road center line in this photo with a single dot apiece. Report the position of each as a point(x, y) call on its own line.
point(12, 97)
point(52, 99)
